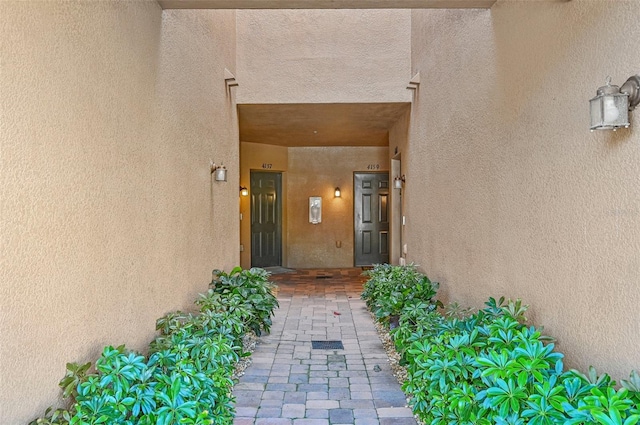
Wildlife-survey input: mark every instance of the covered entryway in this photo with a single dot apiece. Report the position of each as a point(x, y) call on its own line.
point(317, 148)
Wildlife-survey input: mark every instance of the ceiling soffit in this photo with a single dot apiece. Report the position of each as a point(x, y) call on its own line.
point(319, 124)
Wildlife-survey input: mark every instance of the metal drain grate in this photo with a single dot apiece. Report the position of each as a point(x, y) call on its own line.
point(327, 345)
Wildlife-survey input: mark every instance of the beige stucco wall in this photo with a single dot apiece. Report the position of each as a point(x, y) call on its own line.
point(316, 171)
point(260, 157)
point(324, 56)
point(508, 193)
point(112, 110)
point(110, 114)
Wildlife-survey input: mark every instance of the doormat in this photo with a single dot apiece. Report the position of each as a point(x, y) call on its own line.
point(278, 270)
point(327, 345)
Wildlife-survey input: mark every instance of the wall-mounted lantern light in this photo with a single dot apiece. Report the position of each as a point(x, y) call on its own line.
point(337, 193)
point(244, 191)
point(610, 108)
point(219, 172)
point(398, 181)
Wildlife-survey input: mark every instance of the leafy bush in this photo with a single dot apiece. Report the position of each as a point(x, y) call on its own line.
point(173, 386)
point(250, 292)
point(489, 368)
point(186, 379)
point(392, 289)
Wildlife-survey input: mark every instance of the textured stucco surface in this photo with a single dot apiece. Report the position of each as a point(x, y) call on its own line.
point(111, 111)
point(316, 171)
point(110, 114)
point(324, 56)
point(508, 193)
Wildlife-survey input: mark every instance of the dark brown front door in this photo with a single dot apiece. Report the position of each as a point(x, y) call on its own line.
point(371, 218)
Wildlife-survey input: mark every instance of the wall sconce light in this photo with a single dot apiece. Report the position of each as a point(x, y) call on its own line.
point(398, 181)
point(219, 172)
point(244, 191)
point(610, 108)
point(337, 192)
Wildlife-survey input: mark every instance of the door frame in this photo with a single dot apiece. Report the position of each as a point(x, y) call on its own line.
point(395, 225)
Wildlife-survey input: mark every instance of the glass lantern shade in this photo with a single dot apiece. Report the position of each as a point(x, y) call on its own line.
point(220, 174)
point(609, 109)
point(397, 183)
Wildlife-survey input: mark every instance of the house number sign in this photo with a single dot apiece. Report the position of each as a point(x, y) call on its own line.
point(373, 167)
point(267, 166)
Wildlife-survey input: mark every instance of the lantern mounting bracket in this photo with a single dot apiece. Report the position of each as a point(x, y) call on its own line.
point(632, 88)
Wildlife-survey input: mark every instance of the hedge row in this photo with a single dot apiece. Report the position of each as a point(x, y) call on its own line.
point(487, 367)
point(187, 376)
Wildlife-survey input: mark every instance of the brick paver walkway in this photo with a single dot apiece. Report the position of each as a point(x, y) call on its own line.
point(289, 383)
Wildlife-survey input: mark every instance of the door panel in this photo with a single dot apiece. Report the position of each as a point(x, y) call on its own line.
point(371, 218)
point(366, 242)
point(266, 219)
point(383, 210)
point(366, 208)
point(384, 243)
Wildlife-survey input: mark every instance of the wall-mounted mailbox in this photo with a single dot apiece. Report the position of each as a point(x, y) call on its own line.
point(315, 209)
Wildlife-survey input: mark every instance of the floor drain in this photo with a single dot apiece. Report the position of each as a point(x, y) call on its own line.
point(327, 345)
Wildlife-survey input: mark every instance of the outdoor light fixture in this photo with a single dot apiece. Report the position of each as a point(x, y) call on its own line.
point(337, 192)
point(219, 172)
point(610, 108)
point(398, 181)
point(244, 191)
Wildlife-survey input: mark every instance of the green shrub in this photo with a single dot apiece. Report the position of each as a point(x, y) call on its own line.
point(392, 289)
point(186, 379)
point(489, 368)
point(250, 292)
